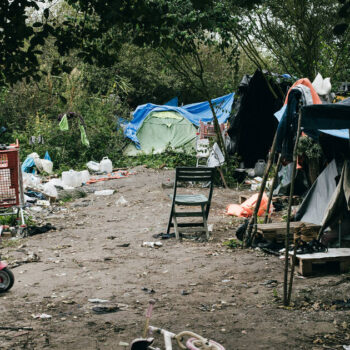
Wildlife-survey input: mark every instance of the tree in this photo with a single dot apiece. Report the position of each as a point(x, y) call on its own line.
point(296, 33)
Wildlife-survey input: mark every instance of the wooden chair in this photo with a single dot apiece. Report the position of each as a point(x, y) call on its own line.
point(191, 174)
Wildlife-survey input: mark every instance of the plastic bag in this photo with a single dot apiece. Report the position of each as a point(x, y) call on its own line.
point(93, 166)
point(50, 190)
point(47, 165)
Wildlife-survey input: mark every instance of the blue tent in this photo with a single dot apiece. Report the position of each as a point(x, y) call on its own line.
point(194, 112)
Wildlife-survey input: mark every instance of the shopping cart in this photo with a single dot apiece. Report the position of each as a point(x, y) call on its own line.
point(11, 183)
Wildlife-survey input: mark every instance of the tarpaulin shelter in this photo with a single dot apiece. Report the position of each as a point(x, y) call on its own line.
point(155, 127)
point(328, 201)
point(253, 125)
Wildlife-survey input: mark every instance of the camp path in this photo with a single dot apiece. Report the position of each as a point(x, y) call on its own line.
point(96, 252)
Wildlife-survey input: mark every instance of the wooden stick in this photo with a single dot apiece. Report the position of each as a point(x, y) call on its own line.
point(252, 223)
point(294, 259)
point(267, 214)
point(291, 192)
point(222, 177)
point(15, 328)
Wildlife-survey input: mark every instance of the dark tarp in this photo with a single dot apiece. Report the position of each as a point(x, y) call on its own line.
point(327, 116)
point(316, 201)
point(253, 125)
point(340, 202)
point(284, 181)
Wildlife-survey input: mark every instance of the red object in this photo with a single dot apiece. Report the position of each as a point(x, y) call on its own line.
point(9, 172)
point(2, 265)
point(246, 209)
point(208, 130)
point(305, 81)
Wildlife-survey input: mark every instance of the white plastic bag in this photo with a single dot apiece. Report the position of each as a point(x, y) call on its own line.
point(93, 166)
point(47, 165)
point(50, 190)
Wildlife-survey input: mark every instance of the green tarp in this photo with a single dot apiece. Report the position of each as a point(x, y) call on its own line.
point(164, 129)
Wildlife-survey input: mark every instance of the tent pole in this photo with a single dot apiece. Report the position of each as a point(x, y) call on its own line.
point(286, 293)
point(267, 214)
point(253, 220)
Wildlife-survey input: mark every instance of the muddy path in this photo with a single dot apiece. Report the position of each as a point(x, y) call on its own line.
point(222, 293)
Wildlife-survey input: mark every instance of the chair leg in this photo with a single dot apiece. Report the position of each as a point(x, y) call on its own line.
point(205, 222)
point(177, 233)
point(170, 218)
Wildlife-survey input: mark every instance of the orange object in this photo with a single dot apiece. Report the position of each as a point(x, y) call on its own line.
point(305, 81)
point(246, 209)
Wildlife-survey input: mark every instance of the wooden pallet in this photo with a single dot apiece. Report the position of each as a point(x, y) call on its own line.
point(276, 231)
point(307, 262)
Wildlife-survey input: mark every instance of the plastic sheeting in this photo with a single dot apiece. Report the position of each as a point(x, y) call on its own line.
point(194, 112)
point(325, 117)
point(314, 205)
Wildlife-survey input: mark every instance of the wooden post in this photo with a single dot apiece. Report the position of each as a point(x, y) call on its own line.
point(267, 214)
point(252, 223)
point(291, 192)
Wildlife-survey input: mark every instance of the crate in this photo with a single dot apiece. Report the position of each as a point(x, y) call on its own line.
point(9, 178)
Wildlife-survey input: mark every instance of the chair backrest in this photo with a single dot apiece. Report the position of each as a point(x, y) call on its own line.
point(202, 174)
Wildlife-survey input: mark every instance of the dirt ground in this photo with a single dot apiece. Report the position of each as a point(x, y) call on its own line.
point(222, 293)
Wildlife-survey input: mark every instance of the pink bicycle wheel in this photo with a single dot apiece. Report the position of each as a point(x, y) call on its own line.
point(191, 344)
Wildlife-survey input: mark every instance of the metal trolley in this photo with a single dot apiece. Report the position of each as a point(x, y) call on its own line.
point(11, 183)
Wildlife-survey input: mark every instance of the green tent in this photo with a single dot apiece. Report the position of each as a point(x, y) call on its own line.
point(164, 129)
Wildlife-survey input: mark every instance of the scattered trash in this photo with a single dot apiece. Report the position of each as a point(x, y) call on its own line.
point(71, 178)
point(107, 309)
point(36, 230)
point(123, 245)
point(93, 166)
point(164, 235)
point(259, 167)
point(270, 283)
point(106, 165)
point(123, 343)
point(121, 201)
point(185, 292)
point(43, 203)
point(50, 190)
point(41, 316)
point(149, 291)
point(104, 193)
point(152, 244)
point(246, 208)
point(98, 301)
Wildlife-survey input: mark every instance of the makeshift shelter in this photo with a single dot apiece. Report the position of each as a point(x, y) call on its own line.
point(156, 127)
point(253, 125)
point(328, 200)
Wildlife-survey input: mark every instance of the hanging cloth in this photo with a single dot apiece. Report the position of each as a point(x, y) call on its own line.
point(84, 139)
point(64, 123)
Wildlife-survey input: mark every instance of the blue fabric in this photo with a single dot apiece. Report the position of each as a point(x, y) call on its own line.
point(173, 102)
point(343, 133)
point(47, 156)
point(194, 112)
point(28, 165)
point(121, 123)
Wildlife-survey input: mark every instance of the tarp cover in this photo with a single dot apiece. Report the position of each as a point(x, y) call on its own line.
point(325, 118)
point(339, 203)
point(316, 201)
point(194, 112)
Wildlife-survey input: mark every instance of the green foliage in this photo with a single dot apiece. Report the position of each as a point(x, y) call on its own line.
point(232, 243)
point(310, 148)
point(168, 159)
